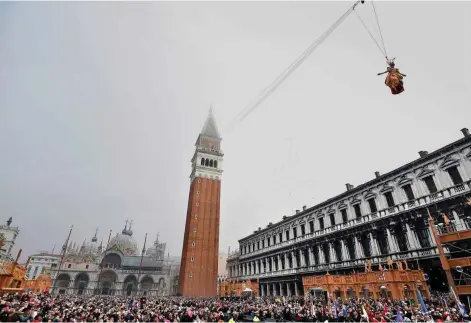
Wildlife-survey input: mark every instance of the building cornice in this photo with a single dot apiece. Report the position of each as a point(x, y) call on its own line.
point(441, 152)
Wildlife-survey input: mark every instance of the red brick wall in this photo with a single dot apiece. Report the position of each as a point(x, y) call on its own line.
point(204, 268)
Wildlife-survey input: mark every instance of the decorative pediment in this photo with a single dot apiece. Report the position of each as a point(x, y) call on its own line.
point(310, 217)
point(467, 154)
point(355, 201)
point(342, 206)
point(293, 224)
point(449, 162)
point(404, 181)
point(320, 215)
point(369, 195)
point(385, 189)
point(424, 172)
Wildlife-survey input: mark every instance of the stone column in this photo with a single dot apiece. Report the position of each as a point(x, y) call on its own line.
point(311, 255)
point(286, 261)
point(392, 245)
point(288, 291)
point(321, 255)
point(413, 242)
point(459, 225)
point(301, 258)
point(272, 263)
point(295, 262)
point(278, 258)
point(373, 245)
point(345, 256)
point(262, 292)
point(296, 290)
point(333, 256)
point(359, 248)
point(281, 289)
point(274, 290)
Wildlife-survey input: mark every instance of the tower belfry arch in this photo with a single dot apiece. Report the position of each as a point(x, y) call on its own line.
point(199, 266)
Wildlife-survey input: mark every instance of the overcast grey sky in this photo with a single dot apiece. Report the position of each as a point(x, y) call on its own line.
point(101, 104)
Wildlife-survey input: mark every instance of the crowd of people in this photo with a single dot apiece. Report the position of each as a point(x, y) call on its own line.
point(30, 307)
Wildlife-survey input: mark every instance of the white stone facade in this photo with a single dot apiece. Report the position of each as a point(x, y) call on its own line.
point(385, 217)
point(9, 236)
point(41, 263)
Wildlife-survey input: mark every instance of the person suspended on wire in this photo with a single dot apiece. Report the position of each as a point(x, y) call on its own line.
point(394, 78)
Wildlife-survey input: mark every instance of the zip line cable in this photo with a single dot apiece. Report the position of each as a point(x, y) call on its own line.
point(371, 35)
point(293, 66)
point(379, 28)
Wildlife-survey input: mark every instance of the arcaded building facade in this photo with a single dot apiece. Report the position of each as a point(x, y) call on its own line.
point(385, 217)
point(117, 268)
point(199, 264)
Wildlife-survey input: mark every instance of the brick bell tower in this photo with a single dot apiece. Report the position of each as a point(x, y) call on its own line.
point(200, 254)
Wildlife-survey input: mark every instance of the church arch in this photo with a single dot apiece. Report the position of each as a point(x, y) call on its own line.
point(106, 282)
point(63, 281)
point(111, 260)
point(206, 162)
point(215, 164)
point(81, 283)
point(211, 163)
point(147, 284)
point(130, 285)
point(202, 161)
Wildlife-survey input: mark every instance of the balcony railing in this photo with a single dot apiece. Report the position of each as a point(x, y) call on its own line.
point(411, 254)
point(384, 213)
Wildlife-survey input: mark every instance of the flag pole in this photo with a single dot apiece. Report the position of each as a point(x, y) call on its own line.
point(109, 237)
point(64, 250)
point(140, 265)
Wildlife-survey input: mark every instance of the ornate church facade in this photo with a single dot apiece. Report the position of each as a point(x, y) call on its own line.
point(114, 269)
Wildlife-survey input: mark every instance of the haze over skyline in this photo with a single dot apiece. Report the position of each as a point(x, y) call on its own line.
point(101, 104)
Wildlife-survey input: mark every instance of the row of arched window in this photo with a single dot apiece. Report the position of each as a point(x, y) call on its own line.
point(209, 162)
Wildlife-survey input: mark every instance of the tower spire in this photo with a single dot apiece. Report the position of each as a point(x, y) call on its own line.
point(95, 239)
point(210, 128)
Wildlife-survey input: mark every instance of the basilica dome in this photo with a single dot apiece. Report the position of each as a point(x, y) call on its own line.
point(124, 242)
